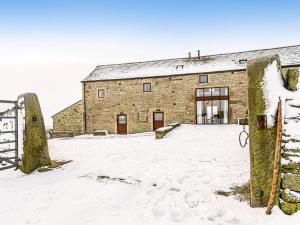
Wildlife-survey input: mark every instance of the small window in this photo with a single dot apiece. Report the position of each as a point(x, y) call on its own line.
point(242, 61)
point(101, 93)
point(179, 67)
point(147, 87)
point(203, 79)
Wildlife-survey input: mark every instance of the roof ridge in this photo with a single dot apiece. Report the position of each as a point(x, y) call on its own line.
point(228, 53)
point(67, 107)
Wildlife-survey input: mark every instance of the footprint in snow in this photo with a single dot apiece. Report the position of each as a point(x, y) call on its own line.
point(158, 212)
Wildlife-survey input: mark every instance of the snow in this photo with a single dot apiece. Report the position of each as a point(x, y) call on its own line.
point(210, 63)
point(167, 181)
point(293, 193)
point(272, 89)
point(162, 129)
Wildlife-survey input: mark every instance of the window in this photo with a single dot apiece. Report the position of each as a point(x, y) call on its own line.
point(147, 87)
point(242, 61)
point(101, 93)
point(203, 79)
point(179, 67)
point(212, 105)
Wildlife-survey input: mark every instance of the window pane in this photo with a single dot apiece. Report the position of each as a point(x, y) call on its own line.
point(224, 111)
point(147, 87)
point(158, 116)
point(207, 92)
point(224, 91)
point(215, 91)
point(209, 112)
point(201, 112)
point(122, 119)
point(199, 93)
point(101, 93)
point(203, 79)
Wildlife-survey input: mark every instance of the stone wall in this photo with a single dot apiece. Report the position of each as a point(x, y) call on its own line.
point(69, 119)
point(173, 95)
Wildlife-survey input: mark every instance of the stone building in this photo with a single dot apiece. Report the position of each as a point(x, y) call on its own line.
point(143, 96)
point(69, 121)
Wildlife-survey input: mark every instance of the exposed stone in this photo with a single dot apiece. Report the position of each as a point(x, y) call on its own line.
point(35, 145)
point(62, 134)
point(291, 181)
point(289, 208)
point(291, 79)
point(161, 132)
point(69, 120)
point(262, 141)
point(100, 133)
point(291, 168)
point(288, 196)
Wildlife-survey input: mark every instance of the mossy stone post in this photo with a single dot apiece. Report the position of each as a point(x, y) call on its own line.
point(35, 145)
point(291, 79)
point(262, 139)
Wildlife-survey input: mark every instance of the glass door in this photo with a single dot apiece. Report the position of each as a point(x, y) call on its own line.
point(212, 105)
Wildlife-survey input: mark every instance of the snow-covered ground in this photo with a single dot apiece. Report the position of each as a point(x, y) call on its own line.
point(168, 181)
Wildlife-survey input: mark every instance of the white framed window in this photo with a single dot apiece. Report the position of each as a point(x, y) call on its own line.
point(147, 87)
point(101, 93)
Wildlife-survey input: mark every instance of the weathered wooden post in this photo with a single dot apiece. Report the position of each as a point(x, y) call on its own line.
point(35, 147)
point(262, 138)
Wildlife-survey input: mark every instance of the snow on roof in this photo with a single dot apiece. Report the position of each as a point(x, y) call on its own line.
point(289, 56)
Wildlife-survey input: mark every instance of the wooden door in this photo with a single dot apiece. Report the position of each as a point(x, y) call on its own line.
point(122, 124)
point(158, 120)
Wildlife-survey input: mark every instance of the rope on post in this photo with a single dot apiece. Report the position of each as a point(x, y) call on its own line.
point(243, 145)
point(275, 179)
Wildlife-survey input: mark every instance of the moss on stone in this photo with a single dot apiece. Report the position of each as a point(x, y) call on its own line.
point(56, 163)
point(262, 142)
point(44, 169)
point(288, 197)
point(291, 79)
point(53, 165)
point(35, 146)
point(289, 208)
point(291, 181)
point(160, 133)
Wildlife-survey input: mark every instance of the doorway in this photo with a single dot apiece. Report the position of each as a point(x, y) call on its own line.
point(122, 124)
point(212, 105)
point(158, 120)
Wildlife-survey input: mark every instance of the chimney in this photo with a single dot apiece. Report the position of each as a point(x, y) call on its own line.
point(199, 54)
point(190, 56)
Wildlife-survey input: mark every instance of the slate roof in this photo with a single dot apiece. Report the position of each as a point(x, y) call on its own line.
point(289, 56)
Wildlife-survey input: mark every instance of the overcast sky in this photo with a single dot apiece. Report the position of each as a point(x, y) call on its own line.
point(48, 47)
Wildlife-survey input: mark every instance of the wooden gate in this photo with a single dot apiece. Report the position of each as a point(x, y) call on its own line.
point(8, 134)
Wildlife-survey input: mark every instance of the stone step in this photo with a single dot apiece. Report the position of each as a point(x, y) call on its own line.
point(294, 106)
point(291, 181)
point(289, 208)
point(293, 168)
point(290, 196)
point(290, 155)
point(289, 150)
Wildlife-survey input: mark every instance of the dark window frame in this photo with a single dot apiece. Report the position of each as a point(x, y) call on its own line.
point(144, 90)
point(211, 98)
point(203, 75)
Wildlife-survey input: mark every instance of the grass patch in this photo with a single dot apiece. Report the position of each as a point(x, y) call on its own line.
point(242, 192)
point(54, 165)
